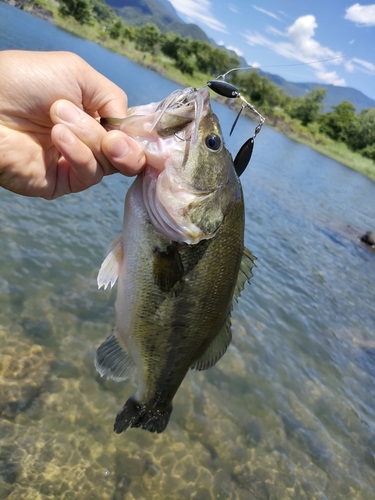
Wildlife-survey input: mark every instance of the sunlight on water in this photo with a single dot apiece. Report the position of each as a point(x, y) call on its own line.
point(289, 411)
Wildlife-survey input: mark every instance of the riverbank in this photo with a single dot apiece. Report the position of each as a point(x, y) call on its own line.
point(276, 118)
point(33, 8)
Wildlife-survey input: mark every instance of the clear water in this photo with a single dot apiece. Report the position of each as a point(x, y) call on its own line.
point(289, 411)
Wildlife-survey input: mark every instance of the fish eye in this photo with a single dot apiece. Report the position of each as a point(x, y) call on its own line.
point(213, 142)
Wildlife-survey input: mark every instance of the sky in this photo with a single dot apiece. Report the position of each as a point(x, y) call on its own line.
point(337, 36)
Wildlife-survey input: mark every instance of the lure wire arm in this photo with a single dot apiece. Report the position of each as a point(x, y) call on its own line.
point(226, 89)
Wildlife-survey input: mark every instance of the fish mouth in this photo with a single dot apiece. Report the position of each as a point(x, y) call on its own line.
point(181, 108)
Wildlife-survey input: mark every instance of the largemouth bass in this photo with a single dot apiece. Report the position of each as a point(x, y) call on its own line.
point(180, 259)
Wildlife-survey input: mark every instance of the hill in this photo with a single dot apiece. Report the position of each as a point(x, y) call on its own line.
point(334, 96)
point(164, 16)
point(159, 12)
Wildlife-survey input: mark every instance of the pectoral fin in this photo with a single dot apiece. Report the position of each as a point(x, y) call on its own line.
point(109, 270)
point(168, 270)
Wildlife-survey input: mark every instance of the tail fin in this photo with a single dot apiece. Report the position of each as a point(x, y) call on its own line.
point(134, 414)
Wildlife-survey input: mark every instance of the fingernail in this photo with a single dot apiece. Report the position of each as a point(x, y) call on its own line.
point(67, 136)
point(68, 112)
point(118, 148)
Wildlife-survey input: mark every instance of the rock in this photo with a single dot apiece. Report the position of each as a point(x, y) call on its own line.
point(33, 8)
point(369, 238)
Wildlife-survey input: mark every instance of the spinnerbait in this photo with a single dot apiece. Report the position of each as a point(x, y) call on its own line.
point(226, 89)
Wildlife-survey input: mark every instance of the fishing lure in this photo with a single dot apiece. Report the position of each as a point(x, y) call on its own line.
point(225, 89)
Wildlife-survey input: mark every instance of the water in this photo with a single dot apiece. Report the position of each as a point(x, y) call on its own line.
point(288, 413)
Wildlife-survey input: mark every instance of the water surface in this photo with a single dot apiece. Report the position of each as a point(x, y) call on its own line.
point(287, 413)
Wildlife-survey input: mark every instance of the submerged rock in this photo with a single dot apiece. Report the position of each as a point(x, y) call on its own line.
point(24, 367)
point(369, 238)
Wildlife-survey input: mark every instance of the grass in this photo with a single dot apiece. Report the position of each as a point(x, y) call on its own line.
point(341, 153)
point(164, 66)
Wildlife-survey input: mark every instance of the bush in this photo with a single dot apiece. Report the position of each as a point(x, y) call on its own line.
point(369, 152)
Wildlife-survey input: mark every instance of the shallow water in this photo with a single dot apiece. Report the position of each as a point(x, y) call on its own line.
point(288, 413)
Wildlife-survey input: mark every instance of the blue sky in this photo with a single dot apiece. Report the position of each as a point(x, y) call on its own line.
point(280, 37)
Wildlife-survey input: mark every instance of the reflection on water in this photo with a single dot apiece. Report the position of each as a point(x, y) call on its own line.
point(288, 413)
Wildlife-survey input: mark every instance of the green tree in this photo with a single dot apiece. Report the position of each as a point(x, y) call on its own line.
point(307, 109)
point(129, 33)
point(180, 50)
point(361, 133)
point(260, 91)
point(147, 37)
point(170, 45)
point(336, 123)
point(81, 10)
point(116, 29)
point(102, 11)
point(202, 52)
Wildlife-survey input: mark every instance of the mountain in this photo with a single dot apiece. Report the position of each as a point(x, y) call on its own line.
point(335, 95)
point(164, 16)
point(158, 12)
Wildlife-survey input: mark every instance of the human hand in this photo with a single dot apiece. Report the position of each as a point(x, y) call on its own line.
point(51, 141)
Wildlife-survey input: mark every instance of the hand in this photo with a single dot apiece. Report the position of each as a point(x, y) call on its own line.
point(51, 141)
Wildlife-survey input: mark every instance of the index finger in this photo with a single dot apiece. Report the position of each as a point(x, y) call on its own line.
point(101, 95)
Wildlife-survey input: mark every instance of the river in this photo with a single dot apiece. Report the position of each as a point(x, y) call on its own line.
point(287, 413)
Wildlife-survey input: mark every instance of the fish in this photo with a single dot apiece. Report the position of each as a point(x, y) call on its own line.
point(180, 260)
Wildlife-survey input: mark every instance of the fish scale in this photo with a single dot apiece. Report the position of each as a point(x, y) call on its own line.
point(174, 295)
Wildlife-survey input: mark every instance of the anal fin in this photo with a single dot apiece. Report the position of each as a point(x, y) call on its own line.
point(112, 360)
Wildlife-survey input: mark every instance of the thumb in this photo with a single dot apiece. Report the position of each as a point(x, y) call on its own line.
point(123, 152)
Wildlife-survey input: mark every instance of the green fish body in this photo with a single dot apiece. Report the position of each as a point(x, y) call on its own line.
point(180, 261)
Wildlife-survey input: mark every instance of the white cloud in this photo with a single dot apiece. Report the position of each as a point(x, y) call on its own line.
point(230, 47)
point(233, 8)
point(235, 49)
point(330, 77)
point(274, 31)
point(361, 14)
point(301, 45)
point(267, 12)
point(253, 64)
point(359, 64)
point(200, 11)
point(301, 35)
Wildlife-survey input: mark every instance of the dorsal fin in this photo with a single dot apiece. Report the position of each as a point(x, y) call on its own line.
point(109, 270)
